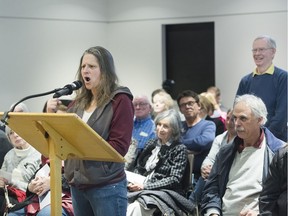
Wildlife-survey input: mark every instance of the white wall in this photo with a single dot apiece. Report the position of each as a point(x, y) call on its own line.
point(138, 45)
point(41, 42)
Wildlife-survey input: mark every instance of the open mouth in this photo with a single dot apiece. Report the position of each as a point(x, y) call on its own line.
point(87, 79)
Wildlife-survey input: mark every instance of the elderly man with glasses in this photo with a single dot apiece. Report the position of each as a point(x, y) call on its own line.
point(144, 127)
point(269, 83)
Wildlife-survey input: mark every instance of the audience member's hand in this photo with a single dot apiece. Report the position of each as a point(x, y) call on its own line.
point(248, 212)
point(3, 182)
point(52, 105)
point(135, 187)
point(39, 185)
point(205, 171)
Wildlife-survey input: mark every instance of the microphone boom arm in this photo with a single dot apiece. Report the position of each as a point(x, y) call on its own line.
point(6, 114)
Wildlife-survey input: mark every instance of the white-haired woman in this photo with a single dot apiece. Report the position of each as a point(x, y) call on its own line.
point(162, 163)
point(20, 163)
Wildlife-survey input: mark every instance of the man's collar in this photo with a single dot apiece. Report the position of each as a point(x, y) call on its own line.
point(270, 71)
point(258, 144)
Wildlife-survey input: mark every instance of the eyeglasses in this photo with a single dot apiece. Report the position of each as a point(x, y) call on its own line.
point(260, 50)
point(189, 104)
point(141, 105)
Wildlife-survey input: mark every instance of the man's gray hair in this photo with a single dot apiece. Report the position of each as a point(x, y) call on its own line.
point(142, 96)
point(271, 42)
point(256, 105)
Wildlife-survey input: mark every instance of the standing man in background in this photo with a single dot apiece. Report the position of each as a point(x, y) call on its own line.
point(269, 83)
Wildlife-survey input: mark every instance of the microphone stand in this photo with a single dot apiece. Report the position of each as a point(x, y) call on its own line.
point(6, 114)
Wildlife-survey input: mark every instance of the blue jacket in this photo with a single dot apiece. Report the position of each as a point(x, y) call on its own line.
point(215, 186)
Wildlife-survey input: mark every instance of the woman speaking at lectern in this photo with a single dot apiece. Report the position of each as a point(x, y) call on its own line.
point(100, 188)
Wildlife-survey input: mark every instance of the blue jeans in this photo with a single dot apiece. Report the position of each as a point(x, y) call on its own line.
point(46, 211)
point(196, 195)
point(107, 200)
point(19, 212)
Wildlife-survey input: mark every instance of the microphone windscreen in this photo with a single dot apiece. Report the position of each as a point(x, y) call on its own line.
point(78, 84)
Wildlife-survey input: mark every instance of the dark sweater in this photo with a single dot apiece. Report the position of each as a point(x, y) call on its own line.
point(272, 89)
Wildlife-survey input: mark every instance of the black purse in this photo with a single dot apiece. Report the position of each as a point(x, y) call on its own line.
point(9, 200)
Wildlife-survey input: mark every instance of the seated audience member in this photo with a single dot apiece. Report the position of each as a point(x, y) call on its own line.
point(5, 146)
point(169, 86)
point(217, 113)
point(156, 91)
point(221, 140)
point(215, 91)
point(144, 127)
point(161, 101)
point(235, 181)
point(39, 186)
point(162, 165)
point(4, 141)
point(207, 107)
point(273, 198)
point(197, 133)
point(206, 112)
point(20, 163)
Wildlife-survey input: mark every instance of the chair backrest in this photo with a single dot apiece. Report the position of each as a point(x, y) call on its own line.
point(187, 178)
point(191, 163)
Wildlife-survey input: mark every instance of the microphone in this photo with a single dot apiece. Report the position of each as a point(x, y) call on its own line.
point(68, 89)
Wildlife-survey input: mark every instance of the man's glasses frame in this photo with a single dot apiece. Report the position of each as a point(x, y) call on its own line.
point(189, 104)
point(141, 104)
point(261, 50)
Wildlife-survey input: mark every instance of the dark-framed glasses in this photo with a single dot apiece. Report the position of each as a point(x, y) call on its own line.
point(141, 104)
point(189, 104)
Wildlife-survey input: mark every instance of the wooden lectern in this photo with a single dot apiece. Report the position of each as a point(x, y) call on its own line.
point(61, 137)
